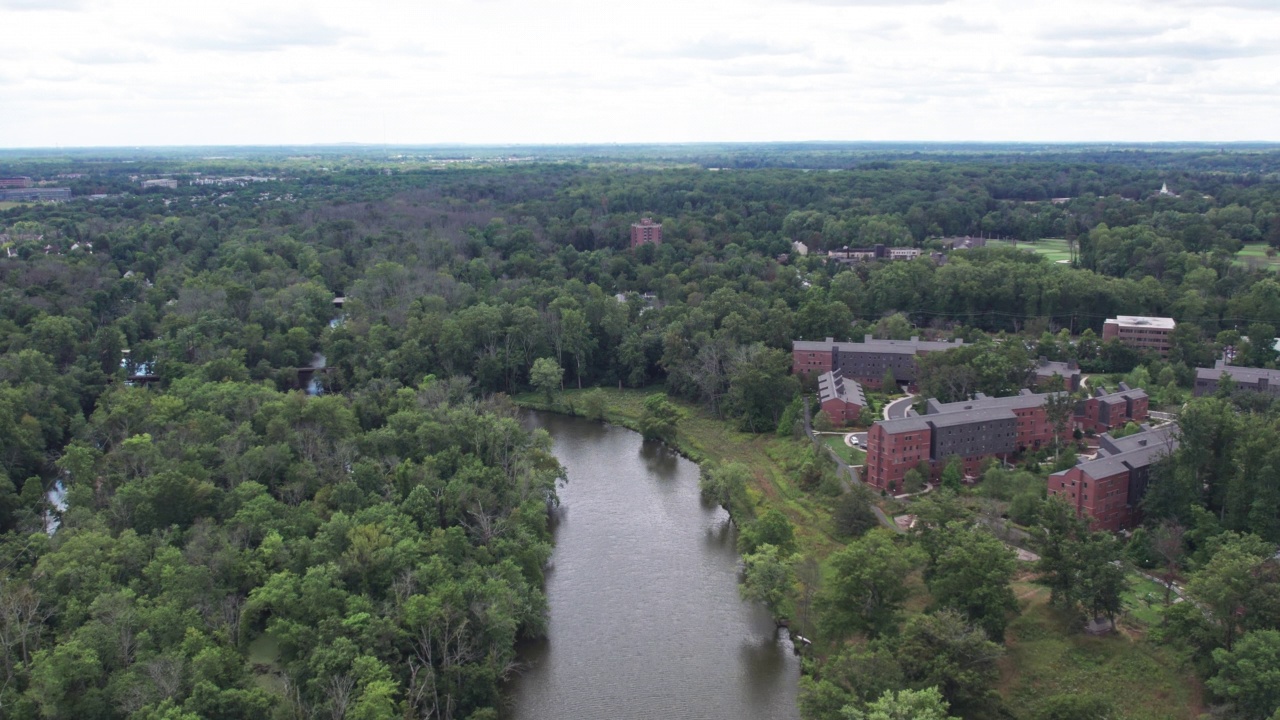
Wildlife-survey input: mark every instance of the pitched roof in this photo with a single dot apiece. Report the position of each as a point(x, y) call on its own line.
point(837, 387)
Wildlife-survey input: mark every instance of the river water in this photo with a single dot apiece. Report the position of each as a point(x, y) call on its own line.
point(646, 621)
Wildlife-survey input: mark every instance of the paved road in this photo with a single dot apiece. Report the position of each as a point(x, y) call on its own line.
point(899, 408)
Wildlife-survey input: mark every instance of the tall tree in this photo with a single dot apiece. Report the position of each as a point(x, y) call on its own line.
point(867, 589)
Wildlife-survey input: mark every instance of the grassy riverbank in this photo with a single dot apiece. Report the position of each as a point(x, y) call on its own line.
point(701, 438)
point(1045, 656)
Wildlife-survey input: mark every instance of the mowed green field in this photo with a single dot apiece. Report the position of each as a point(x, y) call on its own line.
point(1053, 248)
point(1255, 255)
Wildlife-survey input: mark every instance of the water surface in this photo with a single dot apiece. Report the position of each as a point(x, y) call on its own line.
point(646, 621)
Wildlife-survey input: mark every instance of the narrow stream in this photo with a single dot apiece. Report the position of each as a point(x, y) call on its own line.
point(646, 621)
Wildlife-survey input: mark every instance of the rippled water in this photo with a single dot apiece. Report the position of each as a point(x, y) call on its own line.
point(645, 616)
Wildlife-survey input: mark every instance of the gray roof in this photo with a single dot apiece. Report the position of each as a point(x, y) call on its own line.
point(870, 344)
point(969, 417)
point(1152, 436)
point(906, 424)
point(1120, 395)
point(836, 387)
point(1047, 368)
point(1024, 399)
point(1239, 374)
point(1158, 443)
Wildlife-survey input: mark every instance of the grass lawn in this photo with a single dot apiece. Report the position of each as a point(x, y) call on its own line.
point(853, 456)
point(1054, 249)
point(1255, 255)
point(1143, 599)
point(7, 205)
point(1047, 657)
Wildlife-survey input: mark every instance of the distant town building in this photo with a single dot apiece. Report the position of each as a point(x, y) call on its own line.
point(1107, 411)
point(1142, 333)
point(972, 430)
point(169, 183)
point(850, 255)
point(15, 182)
point(841, 399)
point(865, 362)
point(800, 248)
point(1109, 489)
point(1068, 373)
point(966, 242)
point(1258, 380)
point(645, 232)
point(33, 194)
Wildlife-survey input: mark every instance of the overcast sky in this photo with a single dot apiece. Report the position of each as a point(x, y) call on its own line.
point(167, 72)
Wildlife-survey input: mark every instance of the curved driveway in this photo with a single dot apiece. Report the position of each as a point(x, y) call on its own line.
point(899, 408)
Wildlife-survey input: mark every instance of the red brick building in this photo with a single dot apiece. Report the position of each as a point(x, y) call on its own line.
point(15, 182)
point(842, 400)
point(865, 362)
point(894, 447)
point(973, 431)
point(645, 232)
point(1109, 489)
point(1142, 333)
point(1108, 411)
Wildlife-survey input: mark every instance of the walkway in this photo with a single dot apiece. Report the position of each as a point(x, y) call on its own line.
point(847, 474)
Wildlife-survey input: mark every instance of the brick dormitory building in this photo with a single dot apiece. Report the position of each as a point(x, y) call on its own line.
point(864, 362)
point(973, 431)
point(841, 399)
point(1107, 411)
point(1109, 489)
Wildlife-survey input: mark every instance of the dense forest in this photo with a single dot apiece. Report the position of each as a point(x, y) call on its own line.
point(260, 460)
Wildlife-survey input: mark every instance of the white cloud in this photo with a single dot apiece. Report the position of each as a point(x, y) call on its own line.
point(264, 34)
point(724, 48)
point(292, 71)
point(41, 4)
point(959, 24)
